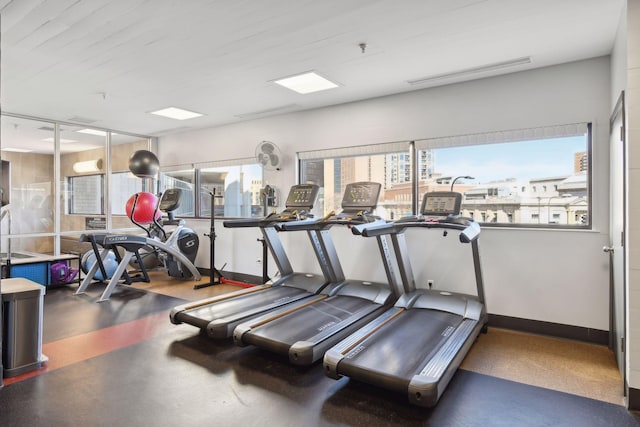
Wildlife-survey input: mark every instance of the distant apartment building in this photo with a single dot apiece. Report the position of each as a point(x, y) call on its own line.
point(580, 162)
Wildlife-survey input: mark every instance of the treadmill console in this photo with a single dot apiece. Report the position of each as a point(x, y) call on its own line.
point(441, 203)
point(302, 196)
point(299, 203)
point(361, 196)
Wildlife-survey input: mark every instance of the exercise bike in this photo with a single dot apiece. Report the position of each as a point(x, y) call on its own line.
point(181, 237)
point(175, 250)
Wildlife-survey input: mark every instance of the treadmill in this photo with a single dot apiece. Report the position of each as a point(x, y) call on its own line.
point(304, 332)
point(219, 315)
point(416, 346)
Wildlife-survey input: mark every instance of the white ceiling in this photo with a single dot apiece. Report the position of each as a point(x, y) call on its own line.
point(110, 62)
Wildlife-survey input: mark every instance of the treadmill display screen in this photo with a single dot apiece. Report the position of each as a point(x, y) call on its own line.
point(441, 203)
point(302, 196)
point(361, 195)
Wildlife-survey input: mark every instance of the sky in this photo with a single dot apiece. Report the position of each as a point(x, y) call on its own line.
point(520, 160)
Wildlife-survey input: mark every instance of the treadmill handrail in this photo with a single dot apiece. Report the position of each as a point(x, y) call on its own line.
point(269, 220)
point(353, 219)
point(470, 229)
point(376, 228)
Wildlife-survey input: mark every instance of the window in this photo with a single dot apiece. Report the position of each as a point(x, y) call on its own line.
point(123, 186)
point(85, 194)
point(237, 189)
point(387, 164)
point(523, 177)
point(184, 180)
point(526, 177)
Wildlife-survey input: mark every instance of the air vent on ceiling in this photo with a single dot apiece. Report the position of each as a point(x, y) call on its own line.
point(171, 131)
point(471, 71)
point(46, 128)
point(78, 119)
point(280, 109)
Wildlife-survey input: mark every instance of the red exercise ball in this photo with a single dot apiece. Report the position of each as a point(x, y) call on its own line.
point(145, 206)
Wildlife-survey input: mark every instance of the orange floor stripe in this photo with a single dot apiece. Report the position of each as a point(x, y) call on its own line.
point(75, 349)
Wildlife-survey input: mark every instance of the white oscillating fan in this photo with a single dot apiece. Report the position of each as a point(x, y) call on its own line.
point(268, 155)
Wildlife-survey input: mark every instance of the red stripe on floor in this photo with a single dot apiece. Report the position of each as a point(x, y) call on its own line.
point(75, 349)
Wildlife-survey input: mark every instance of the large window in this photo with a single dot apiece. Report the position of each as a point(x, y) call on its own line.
point(390, 166)
point(86, 194)
point(536, 177)
point(237, 189)
point(183, 179)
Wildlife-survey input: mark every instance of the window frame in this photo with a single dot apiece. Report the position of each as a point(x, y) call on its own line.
point(71, 192)
point(400, 148)
point(199, 209)
point(532, 134)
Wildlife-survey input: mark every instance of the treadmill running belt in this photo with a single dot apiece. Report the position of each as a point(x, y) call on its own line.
point(278, 335)
point(396, 352)
point(243, 304)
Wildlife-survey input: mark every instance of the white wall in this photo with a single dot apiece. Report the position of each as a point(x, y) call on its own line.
point(631, 70)
point(554, 276)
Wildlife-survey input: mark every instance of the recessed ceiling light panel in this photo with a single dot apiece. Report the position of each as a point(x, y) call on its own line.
point(62, 140)
point(16, 150)
point(92, 132)
point(308, 82)
point(176, 113)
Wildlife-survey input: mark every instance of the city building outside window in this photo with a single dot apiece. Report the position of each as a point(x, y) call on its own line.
point(538, 177)
point(237, 185)
point(527, 177)
point(387, 164)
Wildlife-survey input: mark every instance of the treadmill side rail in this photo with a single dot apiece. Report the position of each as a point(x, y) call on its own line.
point(426, 387)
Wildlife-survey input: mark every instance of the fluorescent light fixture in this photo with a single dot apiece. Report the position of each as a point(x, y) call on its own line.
point(176, 113)
point(62, 140)
point(16, 150)
point(88, 166)
point(304, 83)
point(93, 132)
point(471, 71)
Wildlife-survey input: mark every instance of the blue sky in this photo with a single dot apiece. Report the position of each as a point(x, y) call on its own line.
point(520, 160)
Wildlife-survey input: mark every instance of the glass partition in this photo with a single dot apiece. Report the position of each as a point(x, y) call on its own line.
point(56, 182)
point(28, 181)
point(83, 166)
point(124, 184)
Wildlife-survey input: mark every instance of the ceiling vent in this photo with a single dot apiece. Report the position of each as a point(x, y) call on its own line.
point(78, 119)
point(280, 109)
point(496, 66)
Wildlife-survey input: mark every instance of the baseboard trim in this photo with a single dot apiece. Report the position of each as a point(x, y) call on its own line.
point(595, 336)
point(231, 275)
point(633, 399)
